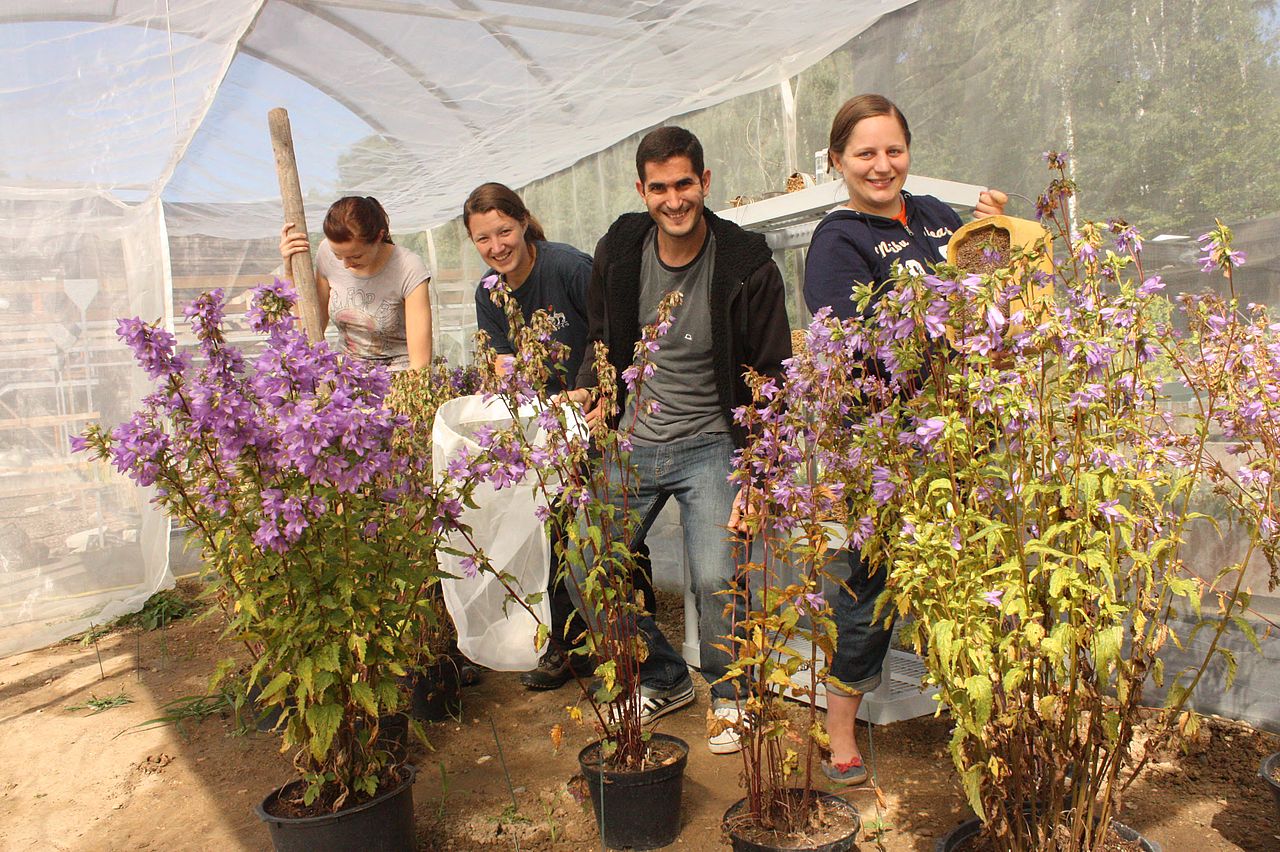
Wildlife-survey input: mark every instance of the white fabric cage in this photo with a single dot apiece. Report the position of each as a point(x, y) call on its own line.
point(136, 170)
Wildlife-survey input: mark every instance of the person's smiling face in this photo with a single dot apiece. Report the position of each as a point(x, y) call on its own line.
point(675, 195)
point(874, 164)
point(500, 241)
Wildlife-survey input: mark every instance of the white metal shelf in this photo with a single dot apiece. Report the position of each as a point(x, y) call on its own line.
point(788, 220)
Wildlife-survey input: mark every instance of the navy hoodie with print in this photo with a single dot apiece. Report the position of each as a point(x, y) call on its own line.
point(849, 247)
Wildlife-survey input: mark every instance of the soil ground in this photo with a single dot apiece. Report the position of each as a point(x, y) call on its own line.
point(73, 780)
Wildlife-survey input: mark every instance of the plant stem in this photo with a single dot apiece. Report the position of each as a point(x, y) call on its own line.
point(503, 760)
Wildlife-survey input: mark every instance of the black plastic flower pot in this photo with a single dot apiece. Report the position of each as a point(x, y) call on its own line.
point(636, 810)
point(958, 837)
point(264, 718)
point(437, 692)
point(382, 824)
point(745, 839)
point(393, 735)
point(1270, 767)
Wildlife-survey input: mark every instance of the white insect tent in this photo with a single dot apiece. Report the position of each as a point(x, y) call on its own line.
point(136, 170)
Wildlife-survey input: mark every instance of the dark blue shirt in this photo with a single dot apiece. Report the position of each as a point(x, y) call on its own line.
point(849, 247)
point(557, 284)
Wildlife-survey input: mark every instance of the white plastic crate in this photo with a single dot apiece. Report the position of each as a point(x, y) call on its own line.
point(898, 697)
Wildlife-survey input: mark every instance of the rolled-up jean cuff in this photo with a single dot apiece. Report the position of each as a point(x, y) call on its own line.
point(867, 684)
point(862, 638)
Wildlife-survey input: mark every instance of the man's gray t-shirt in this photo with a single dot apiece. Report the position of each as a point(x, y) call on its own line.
point(684, 380)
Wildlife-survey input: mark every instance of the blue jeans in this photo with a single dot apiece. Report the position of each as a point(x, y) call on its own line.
point(861, 641)
point(696, 472)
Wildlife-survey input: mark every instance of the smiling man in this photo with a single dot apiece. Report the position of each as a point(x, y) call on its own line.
point(733, 316)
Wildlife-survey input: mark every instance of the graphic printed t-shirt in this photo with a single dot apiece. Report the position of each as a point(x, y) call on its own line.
point(684, 381)
point(557, 284)
point(369, 311)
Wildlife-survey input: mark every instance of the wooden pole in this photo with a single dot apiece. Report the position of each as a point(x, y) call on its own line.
point(303, 270)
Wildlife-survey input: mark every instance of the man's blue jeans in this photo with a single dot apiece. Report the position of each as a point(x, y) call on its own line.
point(696, 472)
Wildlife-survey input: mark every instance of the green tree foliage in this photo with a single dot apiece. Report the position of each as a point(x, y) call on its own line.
point(1169, 109)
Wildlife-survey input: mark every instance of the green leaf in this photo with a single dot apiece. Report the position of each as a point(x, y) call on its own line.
point(1106, 648)
point(277, 683)
point(1232, 666)
point(359, 646)
point(1089, 486)
point(327, 658)
point(1247, 629)
point(978, 688)
point(940, 484)
point(306, 671)
point(323, 721)
point(942, 640)
point(1058, 578)
point(971, 778)
point(363, 696)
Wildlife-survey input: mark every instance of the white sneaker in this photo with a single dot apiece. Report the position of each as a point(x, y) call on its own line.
point(728, 739)
point(659, 702)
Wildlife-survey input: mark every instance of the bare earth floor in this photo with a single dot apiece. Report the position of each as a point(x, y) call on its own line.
point(76, 781)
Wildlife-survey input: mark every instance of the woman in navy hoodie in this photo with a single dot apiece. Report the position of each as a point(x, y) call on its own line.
point(870, 147)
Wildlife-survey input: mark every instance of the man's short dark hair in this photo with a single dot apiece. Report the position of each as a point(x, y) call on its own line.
point(666, 142)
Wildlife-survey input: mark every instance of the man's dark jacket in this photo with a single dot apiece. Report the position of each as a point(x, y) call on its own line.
point(749, 325)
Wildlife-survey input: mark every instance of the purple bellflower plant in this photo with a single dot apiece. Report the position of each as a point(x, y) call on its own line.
point(314, 507)
point(1029, 487)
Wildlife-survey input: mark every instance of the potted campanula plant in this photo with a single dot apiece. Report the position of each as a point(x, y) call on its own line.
point(436, 677)
point(788, 635)
point(634, 776)
point(1023, 479)
point(319, 524)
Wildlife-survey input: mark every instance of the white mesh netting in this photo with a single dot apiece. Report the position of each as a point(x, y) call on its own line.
point(136, 170)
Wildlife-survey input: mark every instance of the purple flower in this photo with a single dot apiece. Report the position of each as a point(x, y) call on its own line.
point(812, 601)
point(1151, 286)
point(993, 597)
point(1111, 510)
point(1082, 399)
point(1249, 477)
point(1128, 240)
point(928, 431)
point(1055, 159)
point(152, 347)
point(935, 318)
point(861, 533)
point(470, 566)
point(140, 449)
point(995, 319)
point(882, 485)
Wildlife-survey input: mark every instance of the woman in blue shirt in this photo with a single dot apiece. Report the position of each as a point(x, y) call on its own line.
point(870, 146)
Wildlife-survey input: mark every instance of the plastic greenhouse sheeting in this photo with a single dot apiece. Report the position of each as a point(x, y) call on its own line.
point(129, 123)
point(413, 102)
point(135, 171)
